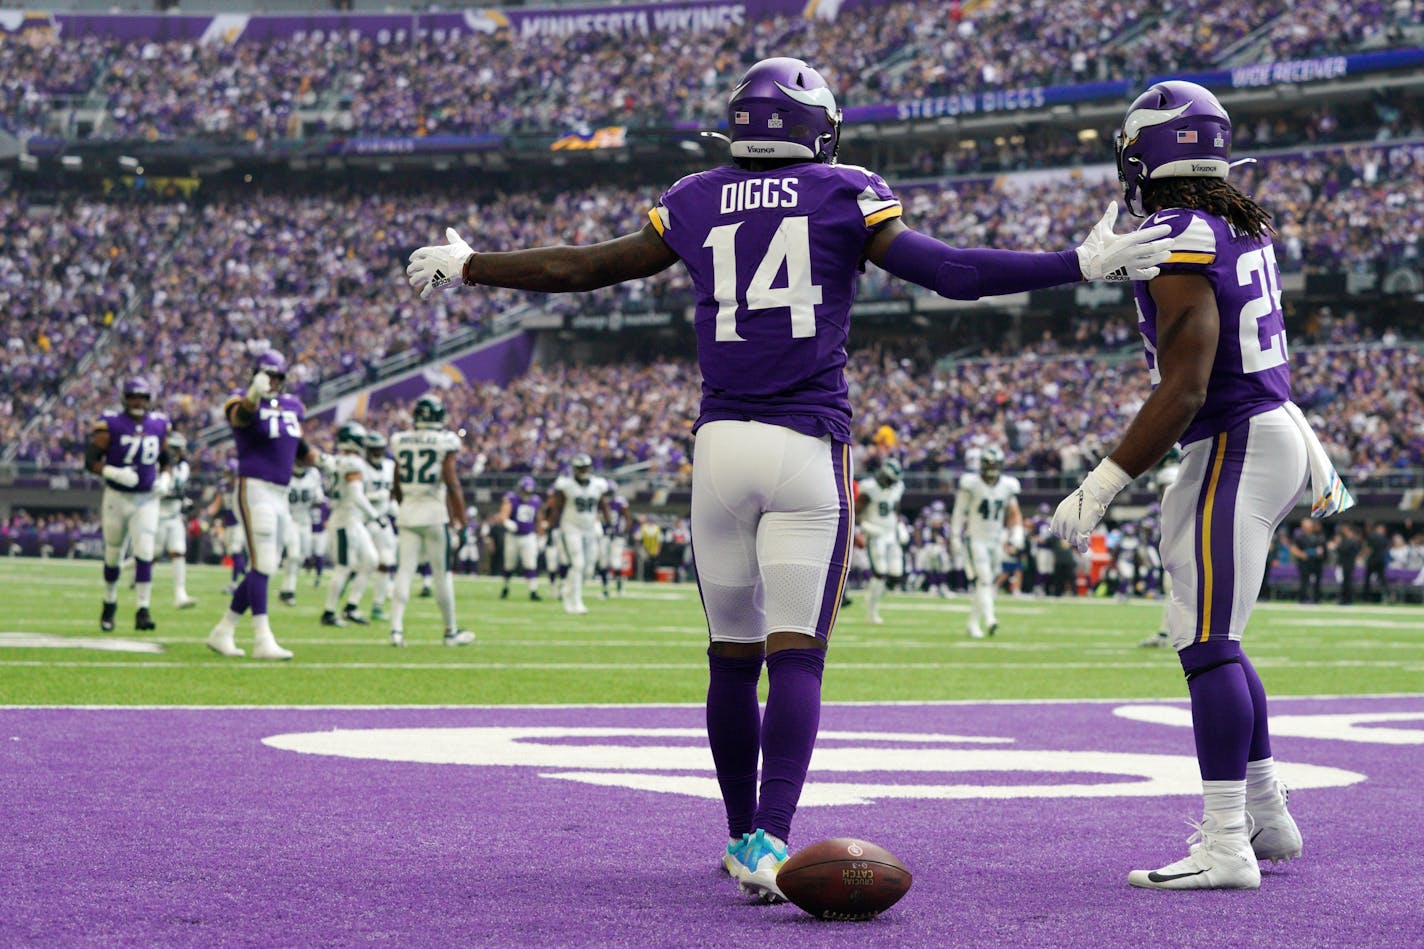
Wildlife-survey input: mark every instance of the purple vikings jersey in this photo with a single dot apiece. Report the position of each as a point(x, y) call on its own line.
point(267, 448)
point(774, 256)
point(134, 444)
point(1250, 374)
point(525, 510)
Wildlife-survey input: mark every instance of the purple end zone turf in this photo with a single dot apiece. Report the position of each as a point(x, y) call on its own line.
point(182, 827)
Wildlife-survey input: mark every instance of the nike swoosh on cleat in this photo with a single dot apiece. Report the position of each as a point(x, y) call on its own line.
point(1156, 877)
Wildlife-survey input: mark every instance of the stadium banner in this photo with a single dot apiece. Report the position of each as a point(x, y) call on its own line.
point(1303, 70)
point(631, 20)
point(425, 145)
point(617, 321)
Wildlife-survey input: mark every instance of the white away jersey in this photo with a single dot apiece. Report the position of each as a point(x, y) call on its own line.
point(580, 502)
point(420, 463)
point(304, 493)
point(338, 488)
point(380, 478)
point(882, 505)
point(173, 482)
point(981, 506)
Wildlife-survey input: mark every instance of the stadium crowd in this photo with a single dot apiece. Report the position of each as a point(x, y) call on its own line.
point(505, 83)
point(256, 247)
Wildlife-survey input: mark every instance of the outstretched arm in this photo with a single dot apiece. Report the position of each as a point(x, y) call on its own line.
point(558, 269)
point(967, 274)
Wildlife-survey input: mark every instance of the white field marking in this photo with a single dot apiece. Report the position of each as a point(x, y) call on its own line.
point(1416, 627)
point(554, 706)
point(216, 661)
point(1356, 727)
point(616, 761)
point(22, 640)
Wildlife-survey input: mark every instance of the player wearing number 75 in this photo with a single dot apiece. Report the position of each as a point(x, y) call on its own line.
point(1214, 333)
point(773, 243)
point(267, 432)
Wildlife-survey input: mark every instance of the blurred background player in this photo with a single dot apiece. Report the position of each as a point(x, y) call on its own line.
point(615, 543)
point(355, 558)
point(431, 499)
point(126, 448)
point(304, 499)
point(771, 474)
point(878, 512)
point(380, 481)
point(171, 486)
point(222, 512)
point(1214, 335)
point(932, 548)
point(519, 513)
point(578, 509)
point(985, 504)
point(267, 432)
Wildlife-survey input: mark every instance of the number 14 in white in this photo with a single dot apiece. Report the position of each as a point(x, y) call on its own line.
point(791, 245)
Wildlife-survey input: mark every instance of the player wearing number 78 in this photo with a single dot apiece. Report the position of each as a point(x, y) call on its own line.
point(1216, 353)
point(773, 243)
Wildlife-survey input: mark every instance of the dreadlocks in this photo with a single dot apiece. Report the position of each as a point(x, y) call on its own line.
point(1212, 195)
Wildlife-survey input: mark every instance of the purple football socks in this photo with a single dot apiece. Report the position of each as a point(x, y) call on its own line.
point(734, 735)
point(788, 734)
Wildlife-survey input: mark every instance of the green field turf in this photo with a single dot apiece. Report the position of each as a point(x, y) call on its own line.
point(648, 646)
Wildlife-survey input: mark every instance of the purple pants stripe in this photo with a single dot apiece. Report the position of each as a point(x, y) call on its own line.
point(839, 568)
point(1216, 535)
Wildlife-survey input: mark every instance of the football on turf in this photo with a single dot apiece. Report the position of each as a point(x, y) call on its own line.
point(843, 878)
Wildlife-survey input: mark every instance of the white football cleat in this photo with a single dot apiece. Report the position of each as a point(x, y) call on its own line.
point(185, 602)
point(758, 858)
point(459, 637)
point(975, 632)
point(876, 620)
point(220, 641)
point(1216, 861)
point(1275, 836)
point(265, 647)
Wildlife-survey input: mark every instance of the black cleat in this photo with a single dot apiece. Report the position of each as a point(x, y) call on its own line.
point(993, 628)
point(426, 593)
point(331, 619)
point(106, 618)
point(353, 615)
point(288, 597)
point(534, 595)
point(142, 619)
point(504, 594)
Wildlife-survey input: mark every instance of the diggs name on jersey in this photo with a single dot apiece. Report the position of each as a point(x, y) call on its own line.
point(752, 194)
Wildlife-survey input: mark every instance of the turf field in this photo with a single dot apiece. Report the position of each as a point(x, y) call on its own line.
point(646, 646)
point(550, 784)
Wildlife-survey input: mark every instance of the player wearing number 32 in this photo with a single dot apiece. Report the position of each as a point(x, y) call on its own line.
point(431, 499)
point(267, 431)
point(1214, 334)
point(773, 243)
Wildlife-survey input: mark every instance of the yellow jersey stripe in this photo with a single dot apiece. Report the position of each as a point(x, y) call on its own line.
point(1206, 577)
point(883, 214)
point(1188, 257)
point(657, 221)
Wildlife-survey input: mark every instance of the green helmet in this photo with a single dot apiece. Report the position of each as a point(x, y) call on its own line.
point(429, 411)
point(351, 436)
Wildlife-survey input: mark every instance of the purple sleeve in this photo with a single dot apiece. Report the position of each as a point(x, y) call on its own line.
point(981, 272)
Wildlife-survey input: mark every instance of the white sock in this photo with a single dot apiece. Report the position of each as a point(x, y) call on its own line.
point(1225, 805)
point(180, 578)
point(1261, 782)
point(143, 595)
point(445, 599)
point(873, 593)
point(261, 627)
point(229, 620)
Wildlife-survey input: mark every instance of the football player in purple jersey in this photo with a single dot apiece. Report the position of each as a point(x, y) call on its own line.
point(267, 429)
point(127, 448)
point(1215, 341)
point(773, 243)
point(519, 513)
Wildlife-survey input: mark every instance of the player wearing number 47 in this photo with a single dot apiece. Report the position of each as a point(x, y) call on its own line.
point(773, 243)
point(1214, 333)
point(267, 429)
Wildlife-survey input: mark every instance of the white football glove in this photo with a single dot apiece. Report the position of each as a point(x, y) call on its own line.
point(438, 266)
point(325, 462)
point(259, 388)
point(1117, 257)
point(1083, 510)
point(123, 477)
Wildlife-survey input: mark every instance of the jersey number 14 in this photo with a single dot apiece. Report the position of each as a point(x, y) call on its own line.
point(790, 246)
